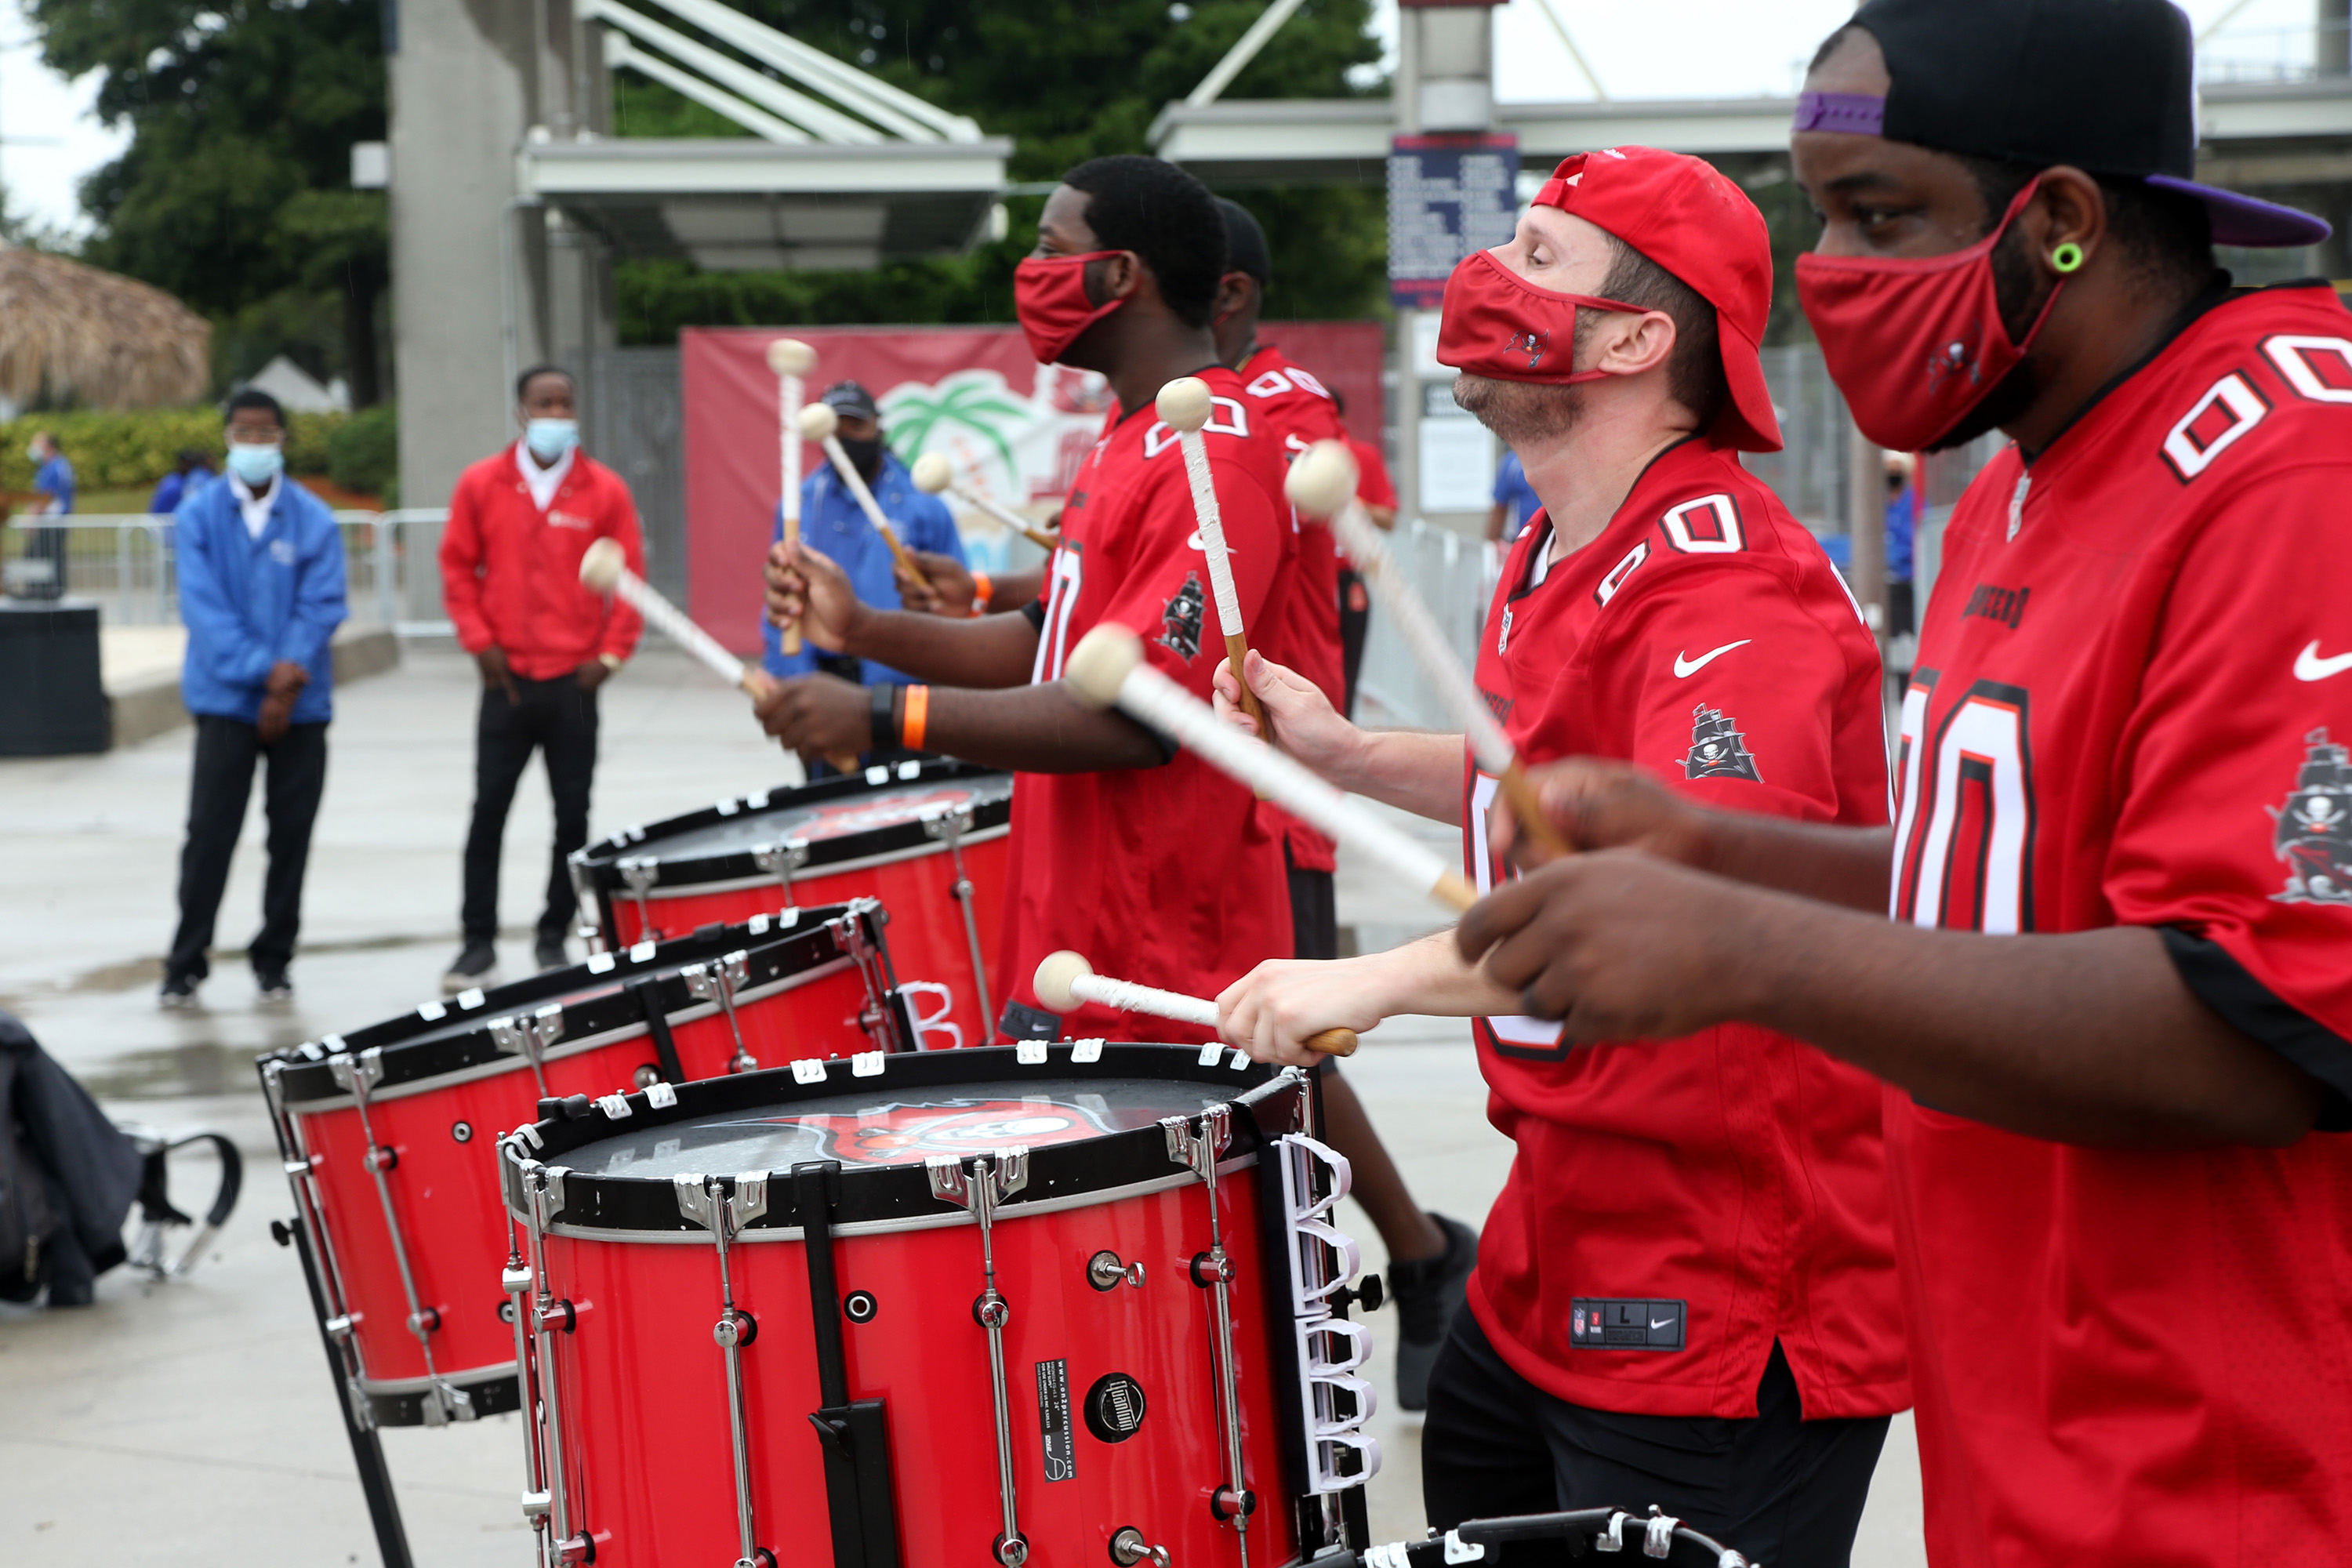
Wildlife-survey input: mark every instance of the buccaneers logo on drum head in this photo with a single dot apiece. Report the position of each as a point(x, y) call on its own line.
point(894, 1134)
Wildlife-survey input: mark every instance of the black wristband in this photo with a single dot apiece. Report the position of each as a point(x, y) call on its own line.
point(885, 723)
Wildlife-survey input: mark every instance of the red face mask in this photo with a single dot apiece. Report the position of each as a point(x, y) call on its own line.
point(1049, 295)
point(1914, 343)
point(1498, 324)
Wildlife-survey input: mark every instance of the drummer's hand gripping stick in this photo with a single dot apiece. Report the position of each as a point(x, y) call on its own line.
point(818, 423)
point(1322, 484)
point(791, 359)
point(1186, 406)
point(933, 473)
point(1065, 979)
point(1107, 669)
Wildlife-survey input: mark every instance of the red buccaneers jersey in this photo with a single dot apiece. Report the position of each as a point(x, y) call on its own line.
point(1674, 1207)
point(1167, 875)
point(2132, 707)
point(1298, 412)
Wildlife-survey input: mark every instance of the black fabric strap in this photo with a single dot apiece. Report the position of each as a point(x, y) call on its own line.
point(2221, 983)
point(646, 989)
point(884, 717)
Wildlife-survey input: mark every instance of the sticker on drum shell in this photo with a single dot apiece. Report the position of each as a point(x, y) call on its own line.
point(1054, 1424)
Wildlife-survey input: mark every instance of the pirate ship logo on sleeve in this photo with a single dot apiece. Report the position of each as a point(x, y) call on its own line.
point(1718, 751)
point(1180, 621)
point(2314, 834)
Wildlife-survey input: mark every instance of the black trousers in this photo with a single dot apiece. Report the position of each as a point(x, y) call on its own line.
point(1774, 1487)
point(219, 785)
point(1314, 912)
point(557, 718)
point(1355, 615)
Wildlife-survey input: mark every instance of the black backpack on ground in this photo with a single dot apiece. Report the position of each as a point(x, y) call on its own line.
point(68, 1177)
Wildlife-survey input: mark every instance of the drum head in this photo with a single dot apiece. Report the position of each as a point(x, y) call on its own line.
point(881, 1129)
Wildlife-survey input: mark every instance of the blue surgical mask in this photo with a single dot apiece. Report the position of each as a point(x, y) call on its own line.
point(33, 450)
point(549, 439)
point(256, 464)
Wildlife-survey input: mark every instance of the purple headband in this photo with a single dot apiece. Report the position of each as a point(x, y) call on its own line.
point(1856, 114)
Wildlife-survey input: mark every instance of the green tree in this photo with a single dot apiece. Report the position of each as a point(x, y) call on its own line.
point(1068, 80)
point(235, 193)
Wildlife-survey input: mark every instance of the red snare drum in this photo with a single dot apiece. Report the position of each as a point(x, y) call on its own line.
point(928, 839)
point(389, 1133)
point(1059, 1305)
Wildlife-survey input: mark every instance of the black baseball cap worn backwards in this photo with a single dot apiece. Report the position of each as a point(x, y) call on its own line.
point(2107, 86)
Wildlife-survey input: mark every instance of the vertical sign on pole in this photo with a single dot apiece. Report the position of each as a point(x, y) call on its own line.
point(1449, 195)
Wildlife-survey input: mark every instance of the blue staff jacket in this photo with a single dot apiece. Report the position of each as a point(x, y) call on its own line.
point(833, 522)
point(55, 478)
point(249, 603)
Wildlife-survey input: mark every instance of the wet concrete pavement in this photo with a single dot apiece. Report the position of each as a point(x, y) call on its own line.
point(192, 1422)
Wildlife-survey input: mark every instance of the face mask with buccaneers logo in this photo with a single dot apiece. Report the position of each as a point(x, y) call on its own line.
point(1914, 343)
point(1498, 324)
point(1049, 296)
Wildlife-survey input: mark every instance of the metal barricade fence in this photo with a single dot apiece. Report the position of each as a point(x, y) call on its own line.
point(127, 563)
point(1456, 576)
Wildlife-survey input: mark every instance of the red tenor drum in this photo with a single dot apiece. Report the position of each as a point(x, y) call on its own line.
point(928, 839)
point(389, 1133)
point(1057, 1305)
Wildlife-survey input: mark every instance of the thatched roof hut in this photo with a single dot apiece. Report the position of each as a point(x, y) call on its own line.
point(101, 340)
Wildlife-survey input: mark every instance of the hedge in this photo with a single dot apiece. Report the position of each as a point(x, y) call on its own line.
point(129, 450)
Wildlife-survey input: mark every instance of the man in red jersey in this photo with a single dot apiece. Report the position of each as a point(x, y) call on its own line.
point(2115, 999)
point(1685, 1294)
point(519, 523)
point(1155, 866)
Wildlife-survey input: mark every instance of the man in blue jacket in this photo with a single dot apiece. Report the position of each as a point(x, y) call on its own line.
point(834, 524)
point(261, 592)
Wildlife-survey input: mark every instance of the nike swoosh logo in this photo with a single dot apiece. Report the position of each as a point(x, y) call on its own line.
point(1686, 667)
point(2309, 666)
point(1662, 1322)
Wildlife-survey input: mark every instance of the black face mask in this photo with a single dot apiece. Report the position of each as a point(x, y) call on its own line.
point(865, 456)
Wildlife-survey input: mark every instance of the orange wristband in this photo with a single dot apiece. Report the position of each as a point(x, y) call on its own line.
point(982, 590)
point(918, 710)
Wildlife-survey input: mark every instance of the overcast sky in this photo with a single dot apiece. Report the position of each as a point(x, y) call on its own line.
point(1658, 48)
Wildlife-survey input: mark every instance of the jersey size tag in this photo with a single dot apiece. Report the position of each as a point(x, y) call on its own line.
point(1596, 1324)
point(1054, 1424)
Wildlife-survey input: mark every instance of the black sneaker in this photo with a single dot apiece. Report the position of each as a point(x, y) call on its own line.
point(179, 993)
point(476, 965)
point(1428, 1291)
point(549, 950)
point(277, 990)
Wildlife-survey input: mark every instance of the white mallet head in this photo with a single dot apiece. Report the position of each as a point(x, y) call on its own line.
point(1185, 404)
point(933, 473)
point(1101, 662)
point(602, 566)
point(1055, 973)
point(1322, 481)
point(818, 422)
point(790, 357)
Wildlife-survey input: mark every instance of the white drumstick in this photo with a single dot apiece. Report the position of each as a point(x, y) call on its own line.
point(791, 359)
point(1322, 484)
point(934, 473)
point(605, 569)
point(1107, 669)
point(1185, 406)
point(1065, 979)
point(818, 423)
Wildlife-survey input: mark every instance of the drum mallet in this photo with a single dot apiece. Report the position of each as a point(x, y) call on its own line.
point(1108, 668)
point(934, 473)
point(818, 423)
point(1065, 979)
point(1322, 484)
point(1185, 405)
point(791, 359)
point(605, 569)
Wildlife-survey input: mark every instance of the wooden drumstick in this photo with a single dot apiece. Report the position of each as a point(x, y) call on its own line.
point(1065, 979)
point(818, 423)
point(1185, 405)
point(1107, 669)
point(1322, 484)
point(934, 473)
point(791, 359)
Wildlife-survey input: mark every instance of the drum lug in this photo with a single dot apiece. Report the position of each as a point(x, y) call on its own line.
point(1128, 1548)
point(850, 939)
point(780, 861)
point(558, 1316)
point(950, 826)
point(640, 872)
point(1232, 1502)
point(977, 1183)
point(577, 1549)
point(535, 1506)
point(529, 1035)
point(707, 1202)
point(718, 980)
point(1106, 1272)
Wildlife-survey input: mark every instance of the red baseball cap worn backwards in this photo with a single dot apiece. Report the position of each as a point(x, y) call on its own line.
point(1684, 215)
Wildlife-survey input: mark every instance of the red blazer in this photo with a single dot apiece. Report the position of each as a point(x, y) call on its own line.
point(510, 573)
